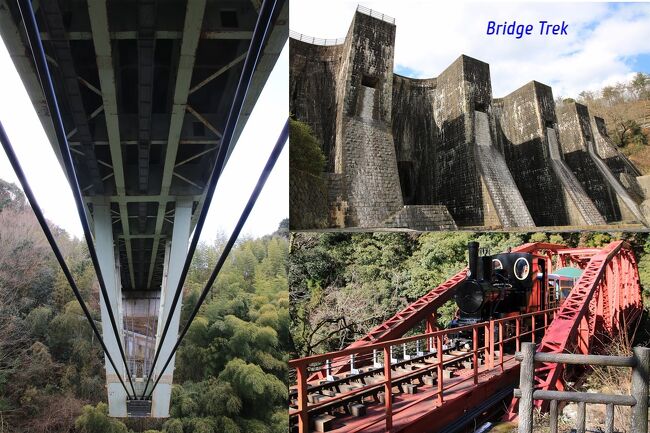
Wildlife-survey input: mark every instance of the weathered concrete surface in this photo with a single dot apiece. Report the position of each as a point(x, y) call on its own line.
point(618, 163)
point(422, 218)
point(458, 185)
point(527, 122)
point(415, 133)
point(575, 133)
point(364, 149)
point(345, 93)
point(509, 207)
point(571, 188)
point(607, 192)
point(308, 200)
point(439, 157)
point(312, 92)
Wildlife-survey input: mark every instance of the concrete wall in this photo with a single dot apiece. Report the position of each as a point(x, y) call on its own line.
point(618, 163)
point(308, 203)
point(521, 119)
point(575, 133)
point(458, 185)
point(312, 92)
point(364, 149)
point(415, 133)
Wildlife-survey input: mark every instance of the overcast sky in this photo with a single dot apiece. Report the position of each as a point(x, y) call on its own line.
point(606, 42)
point(233, 190)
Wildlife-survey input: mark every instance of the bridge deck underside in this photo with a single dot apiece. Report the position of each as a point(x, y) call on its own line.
point(144, 89)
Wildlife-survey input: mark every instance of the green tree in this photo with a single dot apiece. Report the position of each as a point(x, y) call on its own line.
point(640, 85)
point(305, 152)
point(96, 420)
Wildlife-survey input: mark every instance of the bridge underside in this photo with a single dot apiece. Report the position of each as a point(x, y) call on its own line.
point(144, 89)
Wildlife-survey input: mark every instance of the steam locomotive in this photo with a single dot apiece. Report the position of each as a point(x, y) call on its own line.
point(502, 285)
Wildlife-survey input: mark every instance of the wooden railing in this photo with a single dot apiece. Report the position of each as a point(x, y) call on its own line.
point(638, 400)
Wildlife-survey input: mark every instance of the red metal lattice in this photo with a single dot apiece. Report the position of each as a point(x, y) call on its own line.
point(604, 301)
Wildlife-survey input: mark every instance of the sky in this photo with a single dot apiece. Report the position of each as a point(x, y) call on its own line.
point(242, 171)
point(606, 42)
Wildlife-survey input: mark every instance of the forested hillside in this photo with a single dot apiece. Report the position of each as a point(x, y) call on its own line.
point(230, 370)
point(342, 285)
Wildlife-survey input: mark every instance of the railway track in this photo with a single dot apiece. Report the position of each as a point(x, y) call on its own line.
point(353, 394)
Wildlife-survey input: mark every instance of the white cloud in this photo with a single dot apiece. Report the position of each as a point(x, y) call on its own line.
point(602, 37)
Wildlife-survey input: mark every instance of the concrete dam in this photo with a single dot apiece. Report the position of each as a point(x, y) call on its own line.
point(443, 153)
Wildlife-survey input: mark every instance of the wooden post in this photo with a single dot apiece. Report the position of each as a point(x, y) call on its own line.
point(440, 367)
point(303, 416)
point(553, 417)
point(609, 418)
point(640, 372)
point(580, 422)
point(526, 377)
point(388, 390)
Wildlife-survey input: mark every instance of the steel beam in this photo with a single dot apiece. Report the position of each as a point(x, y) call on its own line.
point(158, 34)
point(101, 39)
point(191, 33)
point(266, 63)
point(145, 198)
point(146, 44)
point(53, 21)
point(219, 72)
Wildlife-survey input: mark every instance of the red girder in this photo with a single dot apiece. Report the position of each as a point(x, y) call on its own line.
point(410, 316)
point(406, 319)
point(426, 306)
point(607, 292)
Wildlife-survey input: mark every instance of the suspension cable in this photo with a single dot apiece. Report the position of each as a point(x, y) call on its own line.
point(6, 144)
point(277, 149)
point(268, 12)
point(42, 70)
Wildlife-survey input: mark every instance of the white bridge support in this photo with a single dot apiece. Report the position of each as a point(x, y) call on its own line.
point(174, 259)
point(106, 253)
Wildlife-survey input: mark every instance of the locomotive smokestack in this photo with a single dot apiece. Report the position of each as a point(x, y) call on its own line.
point(472, 249)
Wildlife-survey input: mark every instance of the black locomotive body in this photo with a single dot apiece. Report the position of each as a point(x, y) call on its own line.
point(500, 285)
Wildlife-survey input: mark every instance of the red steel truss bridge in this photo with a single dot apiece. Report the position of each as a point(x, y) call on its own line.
point(434, 388)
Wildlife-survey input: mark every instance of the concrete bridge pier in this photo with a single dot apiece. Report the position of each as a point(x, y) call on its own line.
point(175, 253)
point(106, 253)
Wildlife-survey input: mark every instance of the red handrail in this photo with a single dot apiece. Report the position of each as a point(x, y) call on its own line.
point(301, 365)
